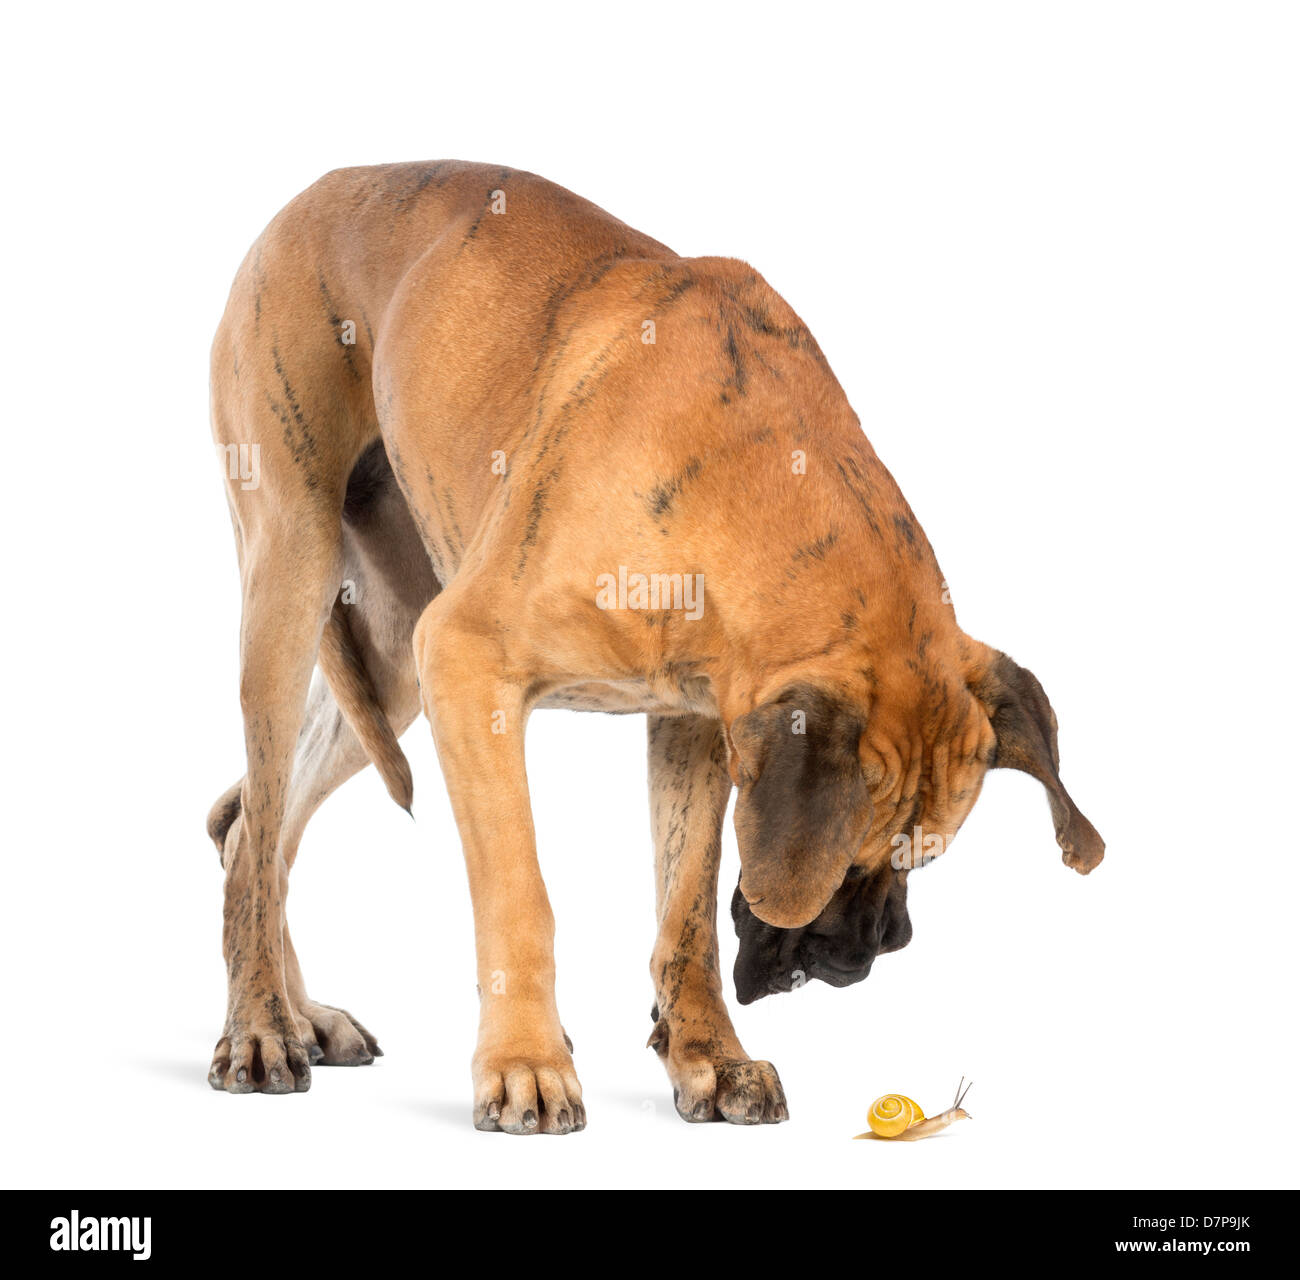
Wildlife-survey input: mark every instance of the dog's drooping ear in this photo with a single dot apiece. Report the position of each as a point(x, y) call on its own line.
point(1025, 726)
point(804, 806)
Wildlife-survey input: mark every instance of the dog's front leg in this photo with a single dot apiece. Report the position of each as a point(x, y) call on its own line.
point(712, 1076)
point(524, 1081)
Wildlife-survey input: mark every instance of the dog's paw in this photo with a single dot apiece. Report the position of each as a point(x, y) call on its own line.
point(527, 1093)
point(739, 1091)
point(333, 1037)
point(245, 1062)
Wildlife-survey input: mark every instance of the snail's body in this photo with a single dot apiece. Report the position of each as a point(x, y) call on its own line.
point(925, 1128)
point(896, 1116)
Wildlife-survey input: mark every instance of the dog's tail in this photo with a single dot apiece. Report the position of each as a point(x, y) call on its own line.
point(354, 691)
point(350, 683)
point(222, 816)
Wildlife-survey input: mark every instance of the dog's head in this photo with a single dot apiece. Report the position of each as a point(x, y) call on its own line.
point(840, 796)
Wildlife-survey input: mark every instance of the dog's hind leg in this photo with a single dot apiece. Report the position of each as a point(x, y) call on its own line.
point(712, 1076)
point(368, 665)
point(291, 571)
point(289, 583)
point(329, 753)
point(290, 427)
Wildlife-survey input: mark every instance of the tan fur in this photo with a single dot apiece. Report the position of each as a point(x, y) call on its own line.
point(540, 442)
point(344, 669)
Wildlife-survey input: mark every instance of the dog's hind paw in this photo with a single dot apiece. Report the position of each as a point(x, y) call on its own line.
point(248, 1063)
point(334, 1038)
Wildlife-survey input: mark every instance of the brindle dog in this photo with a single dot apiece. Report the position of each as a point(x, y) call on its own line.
point(468, 394)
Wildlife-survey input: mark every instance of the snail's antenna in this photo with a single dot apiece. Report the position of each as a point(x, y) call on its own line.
point(961, 1093)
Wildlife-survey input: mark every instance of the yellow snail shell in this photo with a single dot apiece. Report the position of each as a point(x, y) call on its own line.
point(897, 1116)
point(893, 1113)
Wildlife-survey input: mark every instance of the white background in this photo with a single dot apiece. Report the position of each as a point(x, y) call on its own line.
point(1051, 252)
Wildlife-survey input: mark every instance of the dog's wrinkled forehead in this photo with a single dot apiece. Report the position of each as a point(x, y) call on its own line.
point(866, 917)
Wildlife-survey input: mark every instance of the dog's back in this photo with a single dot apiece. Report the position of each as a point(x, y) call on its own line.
point(468, 314)
point(315, 295)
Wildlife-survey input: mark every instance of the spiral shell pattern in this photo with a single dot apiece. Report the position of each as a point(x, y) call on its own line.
point(893, 1113)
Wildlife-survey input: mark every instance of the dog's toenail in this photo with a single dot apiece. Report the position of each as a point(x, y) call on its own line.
point(275, 1076)
point(494, 1111)
point(242, 1076)
point(702, 1110)
point(530, 1119)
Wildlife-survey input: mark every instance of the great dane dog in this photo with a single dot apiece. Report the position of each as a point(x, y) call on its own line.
point(487, 449)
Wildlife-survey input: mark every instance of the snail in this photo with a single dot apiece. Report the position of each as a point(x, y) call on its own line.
point(897, 1116)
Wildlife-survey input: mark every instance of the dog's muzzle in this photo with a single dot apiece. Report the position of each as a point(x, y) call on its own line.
point(866, 917)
